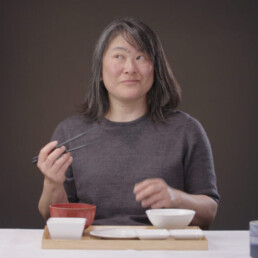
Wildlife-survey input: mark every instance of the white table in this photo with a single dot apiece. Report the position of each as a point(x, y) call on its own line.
point(16, 243)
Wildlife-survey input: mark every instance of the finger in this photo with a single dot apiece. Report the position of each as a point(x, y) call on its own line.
point(150, 190)
point(57, 173)
point(54, 155)
point(44, 152)
point(62, 170)
point(159, 204)
point(66, 165)
point(59, 163)
point(155, 198)
point(60, 175)
point(168, 199)
point(142, 185)
point(52, 171)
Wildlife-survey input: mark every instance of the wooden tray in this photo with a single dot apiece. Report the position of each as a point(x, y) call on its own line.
point(89, 242)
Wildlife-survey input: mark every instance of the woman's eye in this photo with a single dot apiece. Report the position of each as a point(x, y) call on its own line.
point(118, 56)
point(140, 58)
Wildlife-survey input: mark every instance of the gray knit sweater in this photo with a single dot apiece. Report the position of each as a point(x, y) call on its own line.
point(105, 173)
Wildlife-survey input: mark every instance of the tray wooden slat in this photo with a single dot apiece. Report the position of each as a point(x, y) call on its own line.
point(89, 242)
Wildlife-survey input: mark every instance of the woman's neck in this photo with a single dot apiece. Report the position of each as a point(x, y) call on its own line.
point(121, 112)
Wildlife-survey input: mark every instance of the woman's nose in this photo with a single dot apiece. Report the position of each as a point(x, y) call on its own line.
point(130, 67)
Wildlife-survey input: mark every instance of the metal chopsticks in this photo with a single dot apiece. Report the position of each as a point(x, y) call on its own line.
point(35, 158)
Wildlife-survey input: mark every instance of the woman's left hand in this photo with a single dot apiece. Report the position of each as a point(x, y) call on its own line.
point(155, 193)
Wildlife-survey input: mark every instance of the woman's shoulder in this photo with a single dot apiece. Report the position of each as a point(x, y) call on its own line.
point(190, 125)
point(76, 118)
point(75, 123)
point(186, 122)
point(72, 126)
point(180, 116)
point(71, 121)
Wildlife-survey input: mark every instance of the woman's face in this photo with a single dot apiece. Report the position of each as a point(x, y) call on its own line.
point(127, 71)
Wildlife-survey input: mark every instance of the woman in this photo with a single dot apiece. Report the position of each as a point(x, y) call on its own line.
point(149, 155)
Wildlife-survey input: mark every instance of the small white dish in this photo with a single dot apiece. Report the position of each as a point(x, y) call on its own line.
point(152, 233)
point(66, 228)
point(115, 233)
point(186, 233)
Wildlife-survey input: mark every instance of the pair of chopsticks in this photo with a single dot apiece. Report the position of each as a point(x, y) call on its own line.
point(35, 158)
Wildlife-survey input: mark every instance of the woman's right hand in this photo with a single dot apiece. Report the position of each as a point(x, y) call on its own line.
point(53, 163)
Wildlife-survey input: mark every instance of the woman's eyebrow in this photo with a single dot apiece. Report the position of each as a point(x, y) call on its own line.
point(140, 50)
point(121, 48)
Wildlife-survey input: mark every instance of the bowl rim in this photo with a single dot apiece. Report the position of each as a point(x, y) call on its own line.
point(66, 220)
point(85, 206)
point(156, 212)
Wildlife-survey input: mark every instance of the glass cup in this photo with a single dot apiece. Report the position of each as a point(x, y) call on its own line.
point(253, 226)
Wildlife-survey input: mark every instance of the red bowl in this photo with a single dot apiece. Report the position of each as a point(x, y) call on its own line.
point(75, 210)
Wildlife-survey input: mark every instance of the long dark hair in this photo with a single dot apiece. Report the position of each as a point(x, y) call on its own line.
point(165, 93)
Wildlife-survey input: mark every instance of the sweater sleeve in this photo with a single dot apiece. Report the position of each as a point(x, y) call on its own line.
point(60, 135)
point(199, 172)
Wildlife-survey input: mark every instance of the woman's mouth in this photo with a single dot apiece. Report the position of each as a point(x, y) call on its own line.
point(130, 82)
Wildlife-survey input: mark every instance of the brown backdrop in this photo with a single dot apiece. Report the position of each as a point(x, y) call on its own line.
point(46, 49)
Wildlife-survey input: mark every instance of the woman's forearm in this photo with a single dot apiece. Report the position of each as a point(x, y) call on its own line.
point(51, 193)
point(204, 206)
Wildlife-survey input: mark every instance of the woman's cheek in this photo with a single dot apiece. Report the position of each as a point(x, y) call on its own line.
point(115, 69)
point(148, 70)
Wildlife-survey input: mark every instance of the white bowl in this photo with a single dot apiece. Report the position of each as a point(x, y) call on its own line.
point(170, 218)
point(66, 228)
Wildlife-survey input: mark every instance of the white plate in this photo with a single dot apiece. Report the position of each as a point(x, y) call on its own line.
point(152, 233)
point(186, 233)
point(114, 233)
